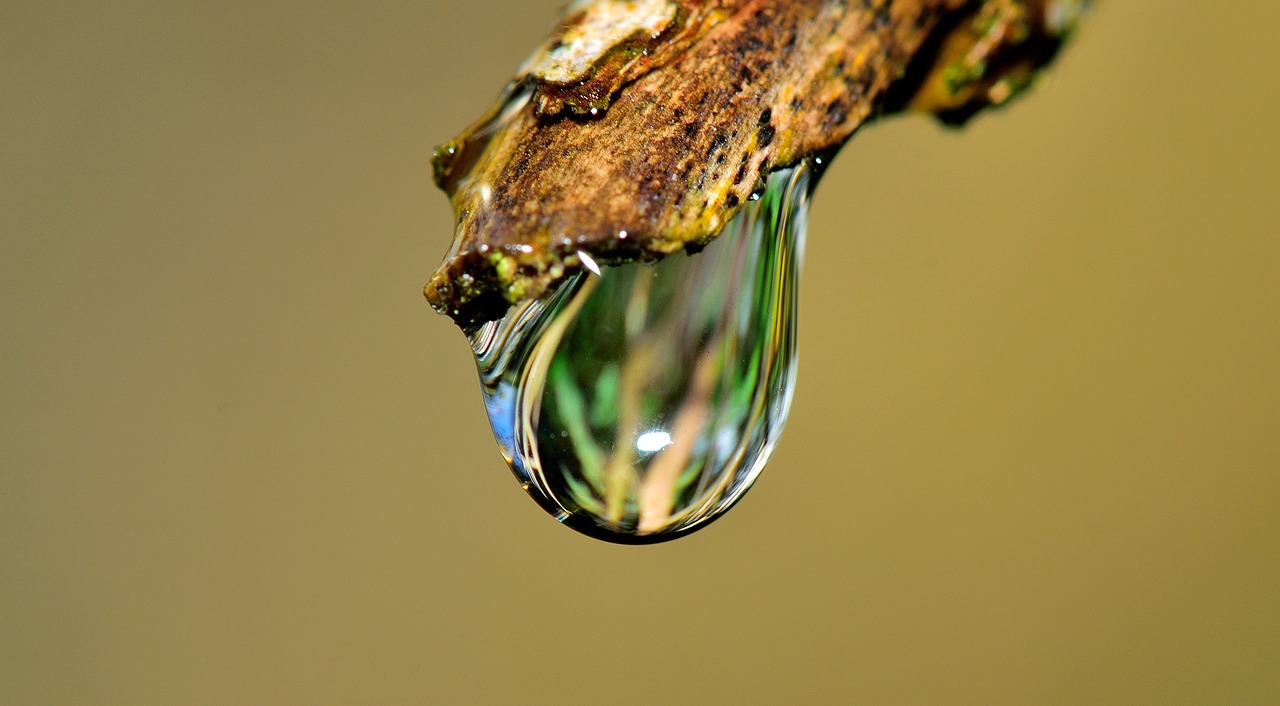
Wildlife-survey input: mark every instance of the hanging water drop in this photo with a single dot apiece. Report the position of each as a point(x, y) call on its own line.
point(637, 403)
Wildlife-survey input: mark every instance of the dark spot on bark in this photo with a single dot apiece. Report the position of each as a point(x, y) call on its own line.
point(720, 140)
point(766, 135)
point(765, 117)
point(881, 18)
point(836, 113)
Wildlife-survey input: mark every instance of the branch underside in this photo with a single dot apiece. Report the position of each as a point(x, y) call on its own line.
point(642, 127)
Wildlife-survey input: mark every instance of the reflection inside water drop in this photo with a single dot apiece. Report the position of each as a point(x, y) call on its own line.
point(639, 403)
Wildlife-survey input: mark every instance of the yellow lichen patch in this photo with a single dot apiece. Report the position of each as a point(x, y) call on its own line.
point(603, 25)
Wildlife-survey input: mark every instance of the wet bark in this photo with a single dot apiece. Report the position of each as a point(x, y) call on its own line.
point(641, 128)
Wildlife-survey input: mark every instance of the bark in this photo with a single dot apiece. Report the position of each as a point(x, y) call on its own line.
point(641, 127)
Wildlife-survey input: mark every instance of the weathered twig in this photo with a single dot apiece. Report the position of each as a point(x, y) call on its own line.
point(642, 126)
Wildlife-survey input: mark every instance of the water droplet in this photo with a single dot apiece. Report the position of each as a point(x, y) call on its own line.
point(638, 404)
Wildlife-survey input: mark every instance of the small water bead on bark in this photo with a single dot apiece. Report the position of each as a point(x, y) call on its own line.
point(638, 404)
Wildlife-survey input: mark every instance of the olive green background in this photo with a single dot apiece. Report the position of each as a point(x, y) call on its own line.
point(1034, 455)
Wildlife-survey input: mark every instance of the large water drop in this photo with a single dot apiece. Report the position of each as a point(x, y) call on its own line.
point(638, 403)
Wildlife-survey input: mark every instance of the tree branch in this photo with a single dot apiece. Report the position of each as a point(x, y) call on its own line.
point(642, 127)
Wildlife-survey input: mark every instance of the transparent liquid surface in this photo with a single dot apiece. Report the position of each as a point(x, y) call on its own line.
point(639, 403)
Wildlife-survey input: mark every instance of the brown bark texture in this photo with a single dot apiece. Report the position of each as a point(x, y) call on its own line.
point(640, 128)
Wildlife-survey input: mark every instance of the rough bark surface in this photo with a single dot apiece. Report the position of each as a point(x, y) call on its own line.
point(630, 145)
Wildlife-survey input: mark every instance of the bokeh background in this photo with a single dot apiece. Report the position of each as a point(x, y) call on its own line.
point(1034, 455)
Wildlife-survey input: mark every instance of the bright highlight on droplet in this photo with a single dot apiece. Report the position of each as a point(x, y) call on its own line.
point(589, 263)
point(651, 441)
point(637, 403)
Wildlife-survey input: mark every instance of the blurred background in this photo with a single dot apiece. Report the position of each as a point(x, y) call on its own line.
point(1034, 455)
